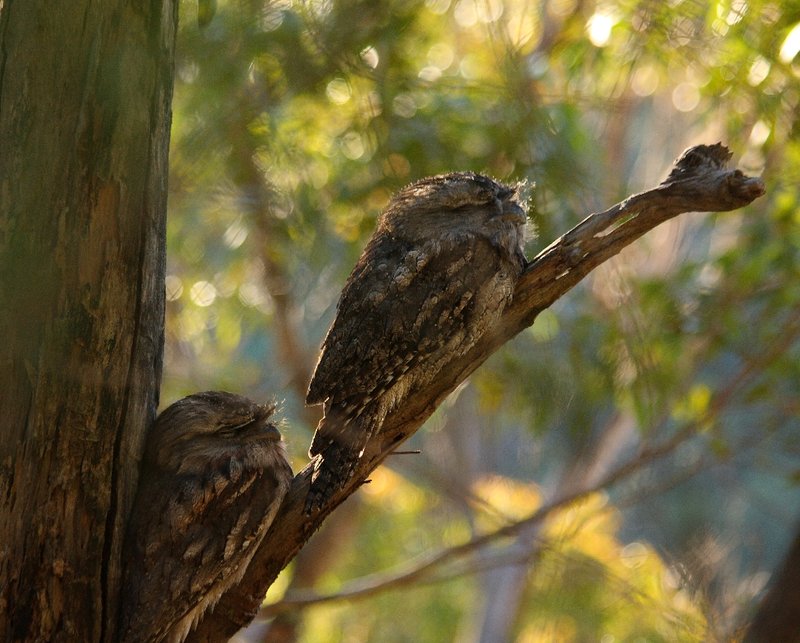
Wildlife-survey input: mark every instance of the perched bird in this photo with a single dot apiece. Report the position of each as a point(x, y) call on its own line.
point(435, 276)
point(214, 474)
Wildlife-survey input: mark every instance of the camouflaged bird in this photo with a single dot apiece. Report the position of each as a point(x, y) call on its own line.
point(435, 276)
point(214, 474)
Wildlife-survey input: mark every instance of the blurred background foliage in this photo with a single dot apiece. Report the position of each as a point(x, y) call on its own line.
point(624, 470)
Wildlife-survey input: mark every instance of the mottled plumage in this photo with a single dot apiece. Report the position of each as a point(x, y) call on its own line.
point(214, 474)
point(435, 276)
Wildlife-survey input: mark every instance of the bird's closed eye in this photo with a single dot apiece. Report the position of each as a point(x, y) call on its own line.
point(229, 430)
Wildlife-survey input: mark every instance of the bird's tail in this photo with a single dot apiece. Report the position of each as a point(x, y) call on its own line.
point(336, 449)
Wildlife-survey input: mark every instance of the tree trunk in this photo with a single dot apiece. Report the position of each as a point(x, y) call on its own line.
point(85, 92)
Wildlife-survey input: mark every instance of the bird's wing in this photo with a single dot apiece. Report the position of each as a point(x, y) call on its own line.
point(401, 305)
point(197, 542)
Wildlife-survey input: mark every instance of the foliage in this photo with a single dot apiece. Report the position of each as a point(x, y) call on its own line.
point(583, 582)
point(293, 123)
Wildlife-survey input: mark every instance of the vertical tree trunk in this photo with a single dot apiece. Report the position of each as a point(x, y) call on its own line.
point(85, 92)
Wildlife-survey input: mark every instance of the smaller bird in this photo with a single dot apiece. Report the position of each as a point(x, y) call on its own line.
point(213, 477)
point(436, 275)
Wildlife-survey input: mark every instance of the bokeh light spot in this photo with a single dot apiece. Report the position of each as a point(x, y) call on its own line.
point(203, 293)
point(685, 97)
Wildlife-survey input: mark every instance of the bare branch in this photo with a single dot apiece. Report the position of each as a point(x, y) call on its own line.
point(418, 573)
point(697, 182)
point(423, 569)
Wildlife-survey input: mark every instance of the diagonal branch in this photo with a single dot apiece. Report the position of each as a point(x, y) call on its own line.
point(699, 181)
point(429, 566)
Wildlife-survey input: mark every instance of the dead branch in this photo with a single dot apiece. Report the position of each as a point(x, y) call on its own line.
point(698, 182)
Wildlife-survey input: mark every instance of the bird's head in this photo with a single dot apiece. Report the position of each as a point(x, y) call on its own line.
point(199, 428)
point(454, 206)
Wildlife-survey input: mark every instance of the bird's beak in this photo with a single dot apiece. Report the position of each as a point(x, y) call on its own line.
point(513, 213)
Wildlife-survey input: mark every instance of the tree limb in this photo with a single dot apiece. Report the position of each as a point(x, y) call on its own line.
point(429, 566)
point(698, 182)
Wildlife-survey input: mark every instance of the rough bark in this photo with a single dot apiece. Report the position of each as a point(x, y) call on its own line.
point(698, 182)
point(85, 93)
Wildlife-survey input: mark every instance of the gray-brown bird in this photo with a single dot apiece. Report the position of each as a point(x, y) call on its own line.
point(214, 474)
point(435, 276)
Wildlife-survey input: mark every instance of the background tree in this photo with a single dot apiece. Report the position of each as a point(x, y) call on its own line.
point(288, 141)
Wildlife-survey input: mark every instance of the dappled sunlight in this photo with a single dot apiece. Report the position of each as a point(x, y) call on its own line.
point(294, 124)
